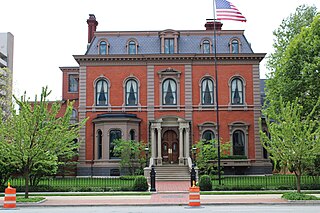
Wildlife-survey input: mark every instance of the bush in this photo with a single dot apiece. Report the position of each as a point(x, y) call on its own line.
point(205, 183)
point(140, 184)
point(298, 196)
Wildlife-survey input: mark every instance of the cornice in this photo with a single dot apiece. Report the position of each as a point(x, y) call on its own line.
point(142, 59)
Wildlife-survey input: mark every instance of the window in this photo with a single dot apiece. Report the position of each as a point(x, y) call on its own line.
point(132, 135)
point(102, 93)
point(206, 46)
point(73, 83)
point(169, 92)
point(168, 45)
point(103, 48)
point(237, 94)
point(132, 47)
point(234, 46)
point(99, 144)
point(131, 92)
point(73, 118)
point(238, 142)
point(208, 135)
point(207, 92)
point(114, 135)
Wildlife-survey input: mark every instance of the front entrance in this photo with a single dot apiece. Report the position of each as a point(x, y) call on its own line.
point(170, 147)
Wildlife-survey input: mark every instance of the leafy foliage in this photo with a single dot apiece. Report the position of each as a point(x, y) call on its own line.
point(36, 138)
point(207, 153)
point(140, 184)
point(295, 139)
point(298, 196)
point(205, 183)
point(131, 155)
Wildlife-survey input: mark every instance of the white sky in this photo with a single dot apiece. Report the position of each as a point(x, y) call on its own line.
point(48, 33)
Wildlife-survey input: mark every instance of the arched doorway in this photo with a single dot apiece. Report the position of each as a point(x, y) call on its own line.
point(170, 147)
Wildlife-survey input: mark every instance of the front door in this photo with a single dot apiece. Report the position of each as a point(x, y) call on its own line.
point(170, 147)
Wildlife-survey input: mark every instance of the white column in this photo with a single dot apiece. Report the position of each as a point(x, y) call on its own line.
point(159, 146)
point(181, 146)
point(153, 144)
point(187, 146)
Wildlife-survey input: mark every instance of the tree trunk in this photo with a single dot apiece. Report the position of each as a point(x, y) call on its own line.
point(298, 179)
point(26, 176)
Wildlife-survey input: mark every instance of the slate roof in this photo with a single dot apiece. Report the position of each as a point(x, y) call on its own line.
point(150, 43)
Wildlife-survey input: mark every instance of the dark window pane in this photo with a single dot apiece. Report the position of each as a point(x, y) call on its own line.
point(207, 92)
point(238, 143)
point(103, 48)
point(169, 45)
point(132, 135)
point(114, 135)
point(206, 46)
point(102, 93)
point(235, 46)
point(131, 93)
point(99, 143)
point(132, 47)
point(236, 91)
point(169, 92)
point(73, 83)
point(208, 136)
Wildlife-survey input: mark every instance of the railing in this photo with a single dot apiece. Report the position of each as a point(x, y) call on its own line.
point(77, 184)
point(267, 182)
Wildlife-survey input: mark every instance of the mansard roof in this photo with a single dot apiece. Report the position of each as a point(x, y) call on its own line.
point(149, 41)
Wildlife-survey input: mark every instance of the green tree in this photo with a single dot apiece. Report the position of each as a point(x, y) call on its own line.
point(37, 138)
point(295, 137)
point(207, 154)
point(131, 155)
point(294, 64)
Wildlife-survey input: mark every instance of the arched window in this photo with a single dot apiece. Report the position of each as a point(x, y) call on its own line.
point(132, 134)
point(102, 93)
point(237, 94)
point(132, 47)
point(238, 142)
point(103, 48)
point(131, 92)
point(99, 144)
point(206, 46)
point(207, 92)
point(169, 92)
point(234, 46)
point(114, 135)
point(208, 135)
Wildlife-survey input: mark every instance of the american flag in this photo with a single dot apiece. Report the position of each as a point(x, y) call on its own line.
point(225, 10)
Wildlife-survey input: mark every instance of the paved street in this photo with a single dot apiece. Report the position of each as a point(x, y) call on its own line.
point(175, 209)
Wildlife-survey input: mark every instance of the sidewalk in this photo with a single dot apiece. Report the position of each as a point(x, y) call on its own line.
point(168, 193)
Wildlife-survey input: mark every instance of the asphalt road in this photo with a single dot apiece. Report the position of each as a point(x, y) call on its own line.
point(175, 209)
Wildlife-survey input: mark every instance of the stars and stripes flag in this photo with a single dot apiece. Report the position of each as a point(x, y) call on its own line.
point(225, 10)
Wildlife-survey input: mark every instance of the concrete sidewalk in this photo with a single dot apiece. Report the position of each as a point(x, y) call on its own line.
point(168, 193)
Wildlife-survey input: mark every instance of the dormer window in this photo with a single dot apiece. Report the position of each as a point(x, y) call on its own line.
point(168, 45)
point(234, 46)
point(206, 46)
point(103, 48)
point(132, 47)
point(169, 41)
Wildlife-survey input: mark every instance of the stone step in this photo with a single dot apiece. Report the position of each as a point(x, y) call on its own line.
point(172, 173)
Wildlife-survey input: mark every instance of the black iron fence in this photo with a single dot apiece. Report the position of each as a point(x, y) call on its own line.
point(268, 182)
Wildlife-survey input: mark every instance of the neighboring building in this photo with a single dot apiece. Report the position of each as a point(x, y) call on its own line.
point(6, 68)
point(159, 87)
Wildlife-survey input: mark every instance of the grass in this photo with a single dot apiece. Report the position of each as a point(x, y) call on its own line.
point(30, 199)
point(298, 196)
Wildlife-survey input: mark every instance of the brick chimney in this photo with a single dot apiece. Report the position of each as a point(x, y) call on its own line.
point(211, 24)
point(92, 26)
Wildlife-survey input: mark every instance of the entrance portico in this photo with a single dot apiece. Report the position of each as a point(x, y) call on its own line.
point(170, 141)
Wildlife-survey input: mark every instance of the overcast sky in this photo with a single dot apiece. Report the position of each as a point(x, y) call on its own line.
point(48, 33)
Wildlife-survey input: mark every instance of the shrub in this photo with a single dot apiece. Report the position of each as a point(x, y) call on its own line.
point(140, 184)
point(205, 183)
point(298, 196)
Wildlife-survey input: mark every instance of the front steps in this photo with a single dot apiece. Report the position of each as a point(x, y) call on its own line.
point(172, 172)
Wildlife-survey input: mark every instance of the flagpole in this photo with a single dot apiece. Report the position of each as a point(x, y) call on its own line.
point(217, 94)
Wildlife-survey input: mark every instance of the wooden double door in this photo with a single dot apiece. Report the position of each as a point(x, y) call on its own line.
point(170, 147)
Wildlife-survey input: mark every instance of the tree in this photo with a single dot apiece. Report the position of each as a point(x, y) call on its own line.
point(295, 137)
point(295, 64)
point(130, 154)
point(37, 138)
point(207, 153)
